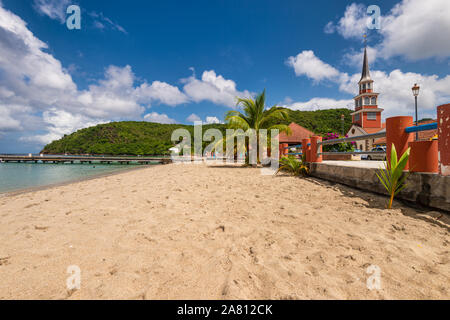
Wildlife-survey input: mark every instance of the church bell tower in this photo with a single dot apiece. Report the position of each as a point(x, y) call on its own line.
point(367, 114)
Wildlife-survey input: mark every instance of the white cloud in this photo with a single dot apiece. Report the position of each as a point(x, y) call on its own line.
point(193, 118)
point(159, 118)
point(329, 28)
point(162, 92)
point(415, 29)
point(101, 22)
point(355, 58)
point(59, 123)
point(320, 104)
point(211, 120)
point(5, 93)
point(395, 92)
point(353, 24)
point(7, 123)
point(113, 96)
point(54, 9)
point(214, 88)
point(26, 69)
point(306, 63)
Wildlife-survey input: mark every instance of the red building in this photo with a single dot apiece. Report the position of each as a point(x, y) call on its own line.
point(298, 134)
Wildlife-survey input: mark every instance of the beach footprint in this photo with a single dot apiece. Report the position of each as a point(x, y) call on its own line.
point(4, 260)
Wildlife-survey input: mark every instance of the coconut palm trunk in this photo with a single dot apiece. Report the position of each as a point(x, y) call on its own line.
point(256, 116)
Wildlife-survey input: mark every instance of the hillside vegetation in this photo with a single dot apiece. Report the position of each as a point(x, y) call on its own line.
point(145, 138)
point(121, 138)
point(323, 121)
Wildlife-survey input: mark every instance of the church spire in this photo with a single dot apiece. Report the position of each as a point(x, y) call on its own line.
point(367, 114)
point(365, 71)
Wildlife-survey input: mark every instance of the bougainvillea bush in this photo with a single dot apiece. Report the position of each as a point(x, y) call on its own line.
point(340, 147)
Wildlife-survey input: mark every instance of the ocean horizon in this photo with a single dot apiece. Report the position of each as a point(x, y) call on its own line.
point(22, 176)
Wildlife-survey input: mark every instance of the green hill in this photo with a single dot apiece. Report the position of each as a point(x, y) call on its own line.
point(121, 138)
point(146, 138)
point(323, 121)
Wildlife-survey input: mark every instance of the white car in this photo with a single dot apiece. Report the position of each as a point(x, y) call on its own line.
point(381, 156)
point(361, 153)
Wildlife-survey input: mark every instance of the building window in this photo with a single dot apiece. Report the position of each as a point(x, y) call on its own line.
point(374, 101)
point(360, 102)
point(366, 101)
point(357, 117)
point(371, 116)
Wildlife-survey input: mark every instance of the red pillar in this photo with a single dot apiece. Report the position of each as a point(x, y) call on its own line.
point(315, 150)
point(424, 156)
point(286, 150)
point(306, 148)
point(395, 134)
point(444, 138)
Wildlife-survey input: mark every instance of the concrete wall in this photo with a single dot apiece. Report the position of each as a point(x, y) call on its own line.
point(341, 157)
point(430, 190)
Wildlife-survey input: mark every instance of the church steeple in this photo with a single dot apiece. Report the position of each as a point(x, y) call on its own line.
point(365, 75)
point(367, 114)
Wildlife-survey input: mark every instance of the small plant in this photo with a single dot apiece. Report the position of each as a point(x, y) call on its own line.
point(292, 165)
point(392, 176)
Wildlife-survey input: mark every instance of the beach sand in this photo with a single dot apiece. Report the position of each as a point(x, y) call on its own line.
point(218, 232)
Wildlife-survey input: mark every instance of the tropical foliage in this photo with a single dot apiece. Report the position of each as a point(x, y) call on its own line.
point(322, 121)
point(392, 176)
point(256, 116)
point(340, 147)
point(293, 166)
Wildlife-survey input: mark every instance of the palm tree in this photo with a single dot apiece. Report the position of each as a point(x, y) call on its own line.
point(292, 165)
point(256, 116)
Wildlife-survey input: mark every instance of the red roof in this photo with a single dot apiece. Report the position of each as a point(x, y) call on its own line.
point(298, 134)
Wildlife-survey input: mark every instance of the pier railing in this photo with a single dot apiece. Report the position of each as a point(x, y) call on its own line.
point(83, 159)
point(351, 139)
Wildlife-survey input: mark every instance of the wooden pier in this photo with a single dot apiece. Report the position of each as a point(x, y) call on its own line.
point(84, 159)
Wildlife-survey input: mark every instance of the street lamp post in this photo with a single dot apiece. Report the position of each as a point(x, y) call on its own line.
point(415, 91)
point(342, 122)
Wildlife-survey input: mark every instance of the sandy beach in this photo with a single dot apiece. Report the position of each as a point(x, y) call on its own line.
point(218, 232)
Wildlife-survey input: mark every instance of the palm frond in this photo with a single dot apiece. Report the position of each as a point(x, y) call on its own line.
point(293, 166)
point(392, 176)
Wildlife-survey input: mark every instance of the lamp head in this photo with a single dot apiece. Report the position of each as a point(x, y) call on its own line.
point(415, 90)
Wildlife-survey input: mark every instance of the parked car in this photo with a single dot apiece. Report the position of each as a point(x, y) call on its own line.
point(361, 154)
point(380, 156)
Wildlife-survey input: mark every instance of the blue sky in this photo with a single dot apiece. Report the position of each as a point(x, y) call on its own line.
point(176, 61)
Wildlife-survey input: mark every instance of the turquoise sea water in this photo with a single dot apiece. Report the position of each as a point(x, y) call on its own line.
point(17, 176)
